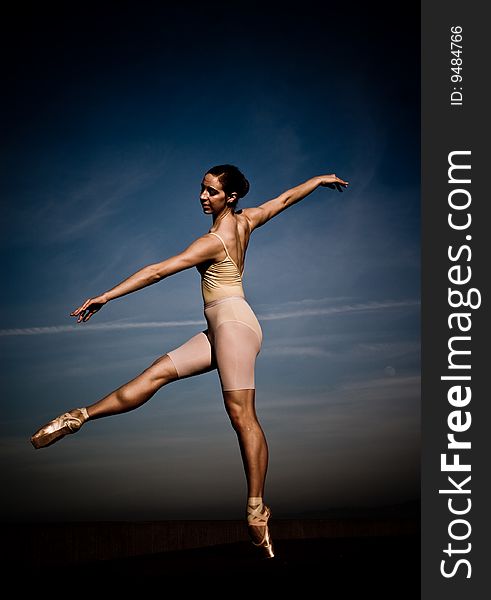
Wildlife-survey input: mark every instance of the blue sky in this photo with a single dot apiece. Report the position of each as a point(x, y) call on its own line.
point(112, 120)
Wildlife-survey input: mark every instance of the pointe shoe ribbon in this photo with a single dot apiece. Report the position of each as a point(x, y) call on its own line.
point(258, 515)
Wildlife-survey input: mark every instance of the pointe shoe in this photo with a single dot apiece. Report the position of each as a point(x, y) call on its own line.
point(59, 427)
point(257, 516)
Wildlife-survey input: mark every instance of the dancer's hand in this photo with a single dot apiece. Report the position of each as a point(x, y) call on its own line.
point(332, 182)
point(89, 308)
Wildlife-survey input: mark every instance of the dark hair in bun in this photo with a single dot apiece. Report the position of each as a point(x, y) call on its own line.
point(231, 178)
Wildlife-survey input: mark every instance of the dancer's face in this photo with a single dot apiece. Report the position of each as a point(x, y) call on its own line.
point(213, 198)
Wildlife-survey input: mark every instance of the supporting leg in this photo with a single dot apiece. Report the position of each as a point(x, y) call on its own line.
point(240, 407)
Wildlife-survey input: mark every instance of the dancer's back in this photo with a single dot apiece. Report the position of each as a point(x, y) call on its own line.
point(223, 278)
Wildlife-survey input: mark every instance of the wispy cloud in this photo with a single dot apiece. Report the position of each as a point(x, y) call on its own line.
point(317, 348)
point(297, 351)
point(331, 310)
point(96, 327)
point(73, 209)
point(281, 314)
point(344, 394)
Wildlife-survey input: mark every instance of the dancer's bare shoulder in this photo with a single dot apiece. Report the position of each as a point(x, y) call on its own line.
point(255, 217)
point(244, 228)
point(245, 222)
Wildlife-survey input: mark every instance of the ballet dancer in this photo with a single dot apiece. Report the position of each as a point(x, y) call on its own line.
point(229, 344)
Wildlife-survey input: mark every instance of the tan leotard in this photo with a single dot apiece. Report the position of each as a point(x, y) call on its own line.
point(233, 338)
point(221, 279)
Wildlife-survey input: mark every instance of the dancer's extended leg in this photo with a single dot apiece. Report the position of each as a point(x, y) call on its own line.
point(192, 358)
point(136, 392)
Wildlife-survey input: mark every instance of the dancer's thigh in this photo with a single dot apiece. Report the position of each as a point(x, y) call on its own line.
point(194, 357)
point(236, 347)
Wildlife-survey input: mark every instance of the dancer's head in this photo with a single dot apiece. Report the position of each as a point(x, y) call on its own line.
point(222, 186)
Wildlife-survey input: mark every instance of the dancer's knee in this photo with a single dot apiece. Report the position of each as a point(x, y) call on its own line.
point(162, 371)
point(243, 423)
point(241, 413)
point(142, 387)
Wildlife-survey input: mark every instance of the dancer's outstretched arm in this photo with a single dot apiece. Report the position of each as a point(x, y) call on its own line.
point(259, 215)
point(203, 249)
